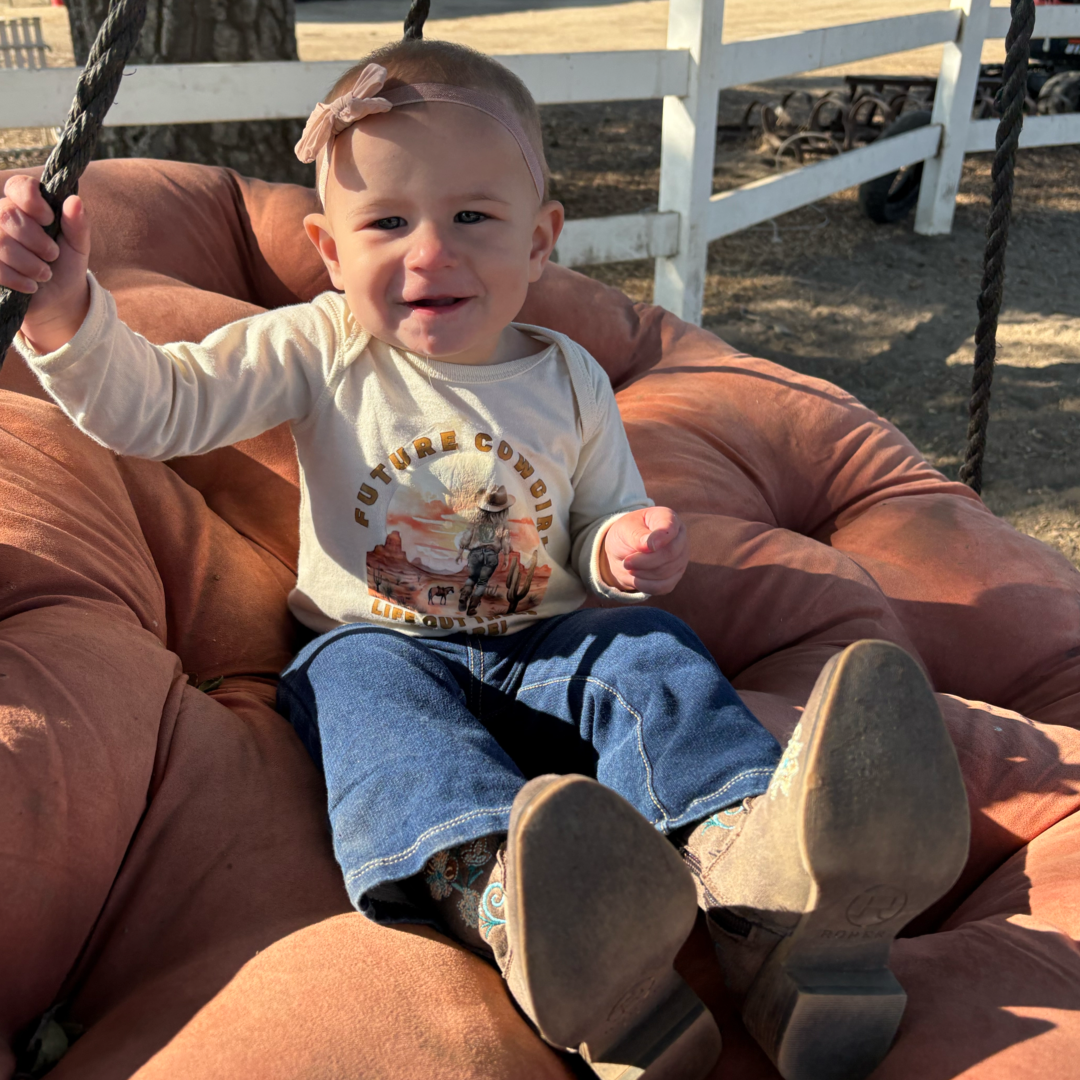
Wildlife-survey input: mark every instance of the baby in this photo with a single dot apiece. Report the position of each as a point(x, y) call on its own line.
point(466, 483)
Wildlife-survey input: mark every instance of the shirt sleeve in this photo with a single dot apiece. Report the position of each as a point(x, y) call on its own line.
point(607, 485)
point(165, 401)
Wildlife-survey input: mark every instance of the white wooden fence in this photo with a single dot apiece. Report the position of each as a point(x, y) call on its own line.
point(688, 75)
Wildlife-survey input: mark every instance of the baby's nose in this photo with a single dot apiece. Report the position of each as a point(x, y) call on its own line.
point(431, 248)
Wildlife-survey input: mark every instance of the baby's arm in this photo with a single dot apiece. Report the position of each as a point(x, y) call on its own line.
point(53, 271)
point(624, 547)
point(134, 397)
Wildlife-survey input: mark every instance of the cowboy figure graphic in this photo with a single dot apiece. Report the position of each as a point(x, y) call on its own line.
point(482, 543)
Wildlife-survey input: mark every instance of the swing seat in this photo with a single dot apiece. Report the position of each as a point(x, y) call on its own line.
point(167, 872)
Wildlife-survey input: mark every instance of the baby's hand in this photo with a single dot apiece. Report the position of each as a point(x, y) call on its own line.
point(53, 271)
point(645, 551)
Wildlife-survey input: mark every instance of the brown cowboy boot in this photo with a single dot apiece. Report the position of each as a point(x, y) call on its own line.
point(865, 824)
point(584, 912)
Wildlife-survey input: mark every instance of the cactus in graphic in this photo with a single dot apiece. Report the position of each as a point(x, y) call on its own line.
point(516, 588)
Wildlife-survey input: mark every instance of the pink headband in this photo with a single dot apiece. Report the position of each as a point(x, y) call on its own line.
point(328, 121)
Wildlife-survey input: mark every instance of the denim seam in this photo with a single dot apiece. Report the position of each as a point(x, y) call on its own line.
point(472, 676)
point(640, 729)
point(411, 850)
point(480, 688)
point(745, 775)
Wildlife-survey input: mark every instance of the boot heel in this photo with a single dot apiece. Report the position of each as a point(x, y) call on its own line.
point(824, 1025)
point(678, 1040)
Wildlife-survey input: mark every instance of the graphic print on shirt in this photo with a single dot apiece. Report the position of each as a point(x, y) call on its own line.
point(460, 541)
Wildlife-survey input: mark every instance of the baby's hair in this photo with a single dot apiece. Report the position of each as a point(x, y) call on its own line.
point(426, 61)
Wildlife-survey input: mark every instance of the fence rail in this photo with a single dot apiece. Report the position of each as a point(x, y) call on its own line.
point(753, 203)
point(282, 90)
point(687, 75)
point(1037, 131)
point(759, 59)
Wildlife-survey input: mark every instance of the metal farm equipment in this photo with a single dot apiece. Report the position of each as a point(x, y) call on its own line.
point(801, 126)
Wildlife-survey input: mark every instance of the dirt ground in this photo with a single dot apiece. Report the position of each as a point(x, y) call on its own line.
point(885, 313)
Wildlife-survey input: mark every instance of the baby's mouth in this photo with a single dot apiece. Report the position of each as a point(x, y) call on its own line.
point(437, 304)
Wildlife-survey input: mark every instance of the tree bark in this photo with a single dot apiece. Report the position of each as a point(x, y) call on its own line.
point(206, 31)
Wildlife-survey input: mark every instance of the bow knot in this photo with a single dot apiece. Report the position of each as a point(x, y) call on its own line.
point(328, 120)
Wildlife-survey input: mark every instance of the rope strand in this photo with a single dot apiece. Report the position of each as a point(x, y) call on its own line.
point(94, 94)
point(414, 21)
point(1013, 95)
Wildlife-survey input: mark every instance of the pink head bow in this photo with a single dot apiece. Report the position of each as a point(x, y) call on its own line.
point(328, 121)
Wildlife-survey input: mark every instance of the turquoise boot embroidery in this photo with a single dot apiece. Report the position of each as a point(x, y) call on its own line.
point(491, 906)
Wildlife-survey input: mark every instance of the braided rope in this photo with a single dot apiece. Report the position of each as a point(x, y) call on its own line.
point(1013, 94)
point(414, 21)
point(96, 89)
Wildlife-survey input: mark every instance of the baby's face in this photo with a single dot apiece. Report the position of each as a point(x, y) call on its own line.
point(433, 230)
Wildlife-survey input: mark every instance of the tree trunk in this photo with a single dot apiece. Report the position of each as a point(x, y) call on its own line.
point(206, 31)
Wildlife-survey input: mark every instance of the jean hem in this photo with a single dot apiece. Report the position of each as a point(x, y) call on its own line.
point(746, 785)
point(406, 864)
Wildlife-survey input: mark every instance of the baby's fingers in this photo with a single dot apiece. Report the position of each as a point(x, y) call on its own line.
point(669, 546)
point(20, 269)
point(25, 192)
point(23, 230)
point(21, 233)
point(648, 560)
point(655, 585)
point(663, 526)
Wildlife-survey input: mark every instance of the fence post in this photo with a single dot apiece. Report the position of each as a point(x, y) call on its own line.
point(953, 102)
point(688, 154)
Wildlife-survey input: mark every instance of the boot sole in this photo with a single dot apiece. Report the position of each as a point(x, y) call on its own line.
point(602, 904)
point(884, 834)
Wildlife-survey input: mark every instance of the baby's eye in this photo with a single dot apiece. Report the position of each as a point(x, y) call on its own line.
point(389, 223)
point(469, 217)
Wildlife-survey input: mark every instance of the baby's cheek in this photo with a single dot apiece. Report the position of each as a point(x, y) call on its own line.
point(508, 282)
point(369, 284)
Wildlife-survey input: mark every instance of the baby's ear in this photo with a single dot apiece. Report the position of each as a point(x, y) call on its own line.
point(318, 229)
point(549, 223)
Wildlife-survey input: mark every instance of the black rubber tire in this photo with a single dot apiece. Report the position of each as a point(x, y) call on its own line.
point(890, 198)
point(1060, 94)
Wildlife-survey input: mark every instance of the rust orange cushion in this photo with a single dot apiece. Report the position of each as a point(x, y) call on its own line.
point(166, 870)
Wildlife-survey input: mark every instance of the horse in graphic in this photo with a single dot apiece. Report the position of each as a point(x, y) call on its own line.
point(440, 591)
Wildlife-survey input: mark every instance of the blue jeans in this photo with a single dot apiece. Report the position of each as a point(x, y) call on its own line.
point(424, 742)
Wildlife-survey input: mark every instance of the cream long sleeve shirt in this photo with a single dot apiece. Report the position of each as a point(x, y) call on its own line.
point(435, 498)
